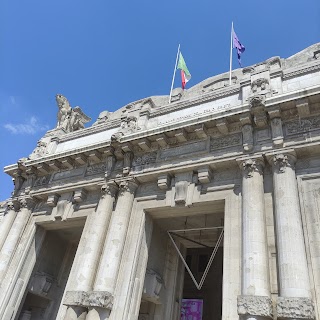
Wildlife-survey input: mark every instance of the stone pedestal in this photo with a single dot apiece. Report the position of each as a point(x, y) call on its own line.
point(6, 222)
point(14, 234)
point(255, 287)
point(111, 256)
point(96, 234)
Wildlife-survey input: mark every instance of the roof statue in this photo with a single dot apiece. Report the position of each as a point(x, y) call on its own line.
point(69, 119)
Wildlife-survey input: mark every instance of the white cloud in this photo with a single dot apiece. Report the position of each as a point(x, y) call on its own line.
point(31, 126)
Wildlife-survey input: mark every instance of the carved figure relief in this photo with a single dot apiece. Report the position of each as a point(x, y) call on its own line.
point(259, 85)
point(70, 119)
point(102, 118)
point(39, 151)
point(128, 125)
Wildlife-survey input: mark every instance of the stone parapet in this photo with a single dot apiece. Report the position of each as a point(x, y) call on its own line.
point(255, 306)
point(295, 308)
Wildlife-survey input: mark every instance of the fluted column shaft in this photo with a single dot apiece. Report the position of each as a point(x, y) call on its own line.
point(292, 261)
point(98, 226)
point(111, 256)
point(6, 222)
point(14, 234)
point(254, 302)
point(255, 280)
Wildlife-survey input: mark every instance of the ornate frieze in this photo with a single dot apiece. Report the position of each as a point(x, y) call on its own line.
point(144, 159)
point(194, 147)
point(295, 308)
point(255, 306)
point(302, 125)
point(96, 169)
point(226, 142)
point(41, 181)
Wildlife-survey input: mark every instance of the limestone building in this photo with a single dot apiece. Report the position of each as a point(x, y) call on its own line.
point(159, 210)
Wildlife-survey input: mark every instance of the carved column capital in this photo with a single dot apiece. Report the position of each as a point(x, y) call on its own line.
point(295, 308)
point(110, 188)
point(251, 165)
point(281, 161)
point(10, 205)
point(127, 186)
point(26, 203)
point(255, 306)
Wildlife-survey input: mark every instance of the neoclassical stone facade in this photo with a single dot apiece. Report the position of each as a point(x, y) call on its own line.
point(228, 175)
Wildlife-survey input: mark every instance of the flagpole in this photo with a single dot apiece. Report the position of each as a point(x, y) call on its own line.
point(174, 73)
point(230, 54)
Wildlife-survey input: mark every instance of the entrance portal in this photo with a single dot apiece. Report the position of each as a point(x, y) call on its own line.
point(196, 241)
point(49, 277)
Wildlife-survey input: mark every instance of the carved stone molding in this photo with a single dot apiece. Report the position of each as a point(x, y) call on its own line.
point(164, 181)
point(79, 195)
point(255, 306)
point(295, 308)
point(53, 199)
point(282, 161)
point(204, 175)
point(257, 101)
point(247, 137)
point(252, 165)
point(75, 298)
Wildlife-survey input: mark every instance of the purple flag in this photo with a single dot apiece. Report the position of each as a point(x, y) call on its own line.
point(237, 44)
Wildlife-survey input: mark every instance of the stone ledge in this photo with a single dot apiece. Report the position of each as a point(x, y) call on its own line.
point(295, 308)
point(255, 306)
point(103, 299)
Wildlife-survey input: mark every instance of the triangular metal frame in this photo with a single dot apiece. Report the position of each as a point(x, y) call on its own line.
point(215, 249)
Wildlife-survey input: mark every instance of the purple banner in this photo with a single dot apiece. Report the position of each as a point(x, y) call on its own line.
point(191, 309)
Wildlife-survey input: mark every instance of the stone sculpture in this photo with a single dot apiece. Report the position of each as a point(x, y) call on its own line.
point(70, 119)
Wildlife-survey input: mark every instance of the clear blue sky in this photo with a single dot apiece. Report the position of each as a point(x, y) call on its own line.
point(104, 54)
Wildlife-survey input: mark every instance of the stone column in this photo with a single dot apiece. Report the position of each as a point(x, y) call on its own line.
point(11, 242)
point(6, 222)
point(254, 302)
point(294, 287)
point(105, 281)
point(89, 258)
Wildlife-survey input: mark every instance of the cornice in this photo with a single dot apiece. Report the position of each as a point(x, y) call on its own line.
point(207, 97)
point(299, 70)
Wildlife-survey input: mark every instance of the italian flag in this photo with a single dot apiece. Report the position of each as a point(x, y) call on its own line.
point(185, 74)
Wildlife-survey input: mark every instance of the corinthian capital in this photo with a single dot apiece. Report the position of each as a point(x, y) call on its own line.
point(110, 188)
point(282, 161)
point(26, 203)
point(251, 165)
point(128, 186)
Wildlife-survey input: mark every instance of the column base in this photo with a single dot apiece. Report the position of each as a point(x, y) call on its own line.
point(255, 307)
point(295, 308)
point(98, 313)
point(76, 313)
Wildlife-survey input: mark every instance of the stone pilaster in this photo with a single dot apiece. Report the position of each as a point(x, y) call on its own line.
point(99, 221)
point(7, 222)
point(292, 261)
point(8, 248)
point(107, 273)
point(254, 301)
